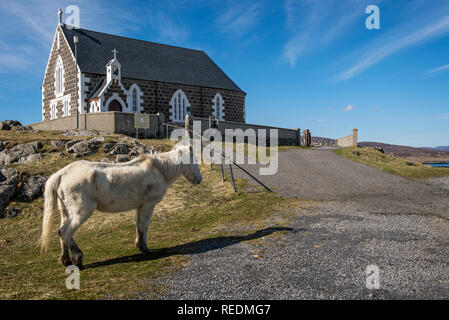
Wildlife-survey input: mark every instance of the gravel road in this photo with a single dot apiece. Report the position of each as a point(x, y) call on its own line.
point(362, 216)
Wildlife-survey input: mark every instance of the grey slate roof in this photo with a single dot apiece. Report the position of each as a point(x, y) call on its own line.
point(147, 60)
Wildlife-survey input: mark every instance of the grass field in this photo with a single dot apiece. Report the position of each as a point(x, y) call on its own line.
point(115, 269)
point(391, 164)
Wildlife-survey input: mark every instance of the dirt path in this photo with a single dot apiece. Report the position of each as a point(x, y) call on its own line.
point(363, 217)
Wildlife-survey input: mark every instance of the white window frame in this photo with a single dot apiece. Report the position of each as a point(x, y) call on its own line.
point(130, 99)
point(59, 78)
point(218, 107)
point(53, 111)
point(179, 105)
point(66, 107)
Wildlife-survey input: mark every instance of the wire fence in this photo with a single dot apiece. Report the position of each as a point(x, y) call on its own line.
point(232, 162)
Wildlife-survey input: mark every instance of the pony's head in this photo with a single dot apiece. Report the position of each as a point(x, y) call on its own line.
point(190, 168)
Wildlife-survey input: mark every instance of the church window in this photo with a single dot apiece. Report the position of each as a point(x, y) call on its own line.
point(66, 107)
point(53, 111)
point(135, 100)
point(218, 107)
point(59, 78)
point(179, 105)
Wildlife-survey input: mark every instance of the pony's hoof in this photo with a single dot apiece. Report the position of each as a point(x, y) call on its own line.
point(65, 261)
point(145, 251)
point(78, 262)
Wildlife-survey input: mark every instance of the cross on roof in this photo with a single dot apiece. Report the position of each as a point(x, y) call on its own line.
point(115, 53)
point(60, 15)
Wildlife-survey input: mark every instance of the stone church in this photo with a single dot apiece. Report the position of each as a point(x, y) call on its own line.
point(89, 72)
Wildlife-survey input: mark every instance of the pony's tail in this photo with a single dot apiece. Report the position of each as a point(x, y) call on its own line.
point(50, 205)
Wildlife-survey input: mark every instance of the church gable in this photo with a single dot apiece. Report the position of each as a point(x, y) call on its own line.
point(59, 85)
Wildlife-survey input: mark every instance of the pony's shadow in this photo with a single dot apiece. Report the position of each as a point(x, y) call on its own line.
point(195, 247)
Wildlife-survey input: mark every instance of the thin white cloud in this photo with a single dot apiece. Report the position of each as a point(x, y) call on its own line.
point(349, 108)
point(239, 19)
point(168, 30)
point(28, 28)
point(313, 25)
point(401, 39)
point(375, 109)
point(436, 70)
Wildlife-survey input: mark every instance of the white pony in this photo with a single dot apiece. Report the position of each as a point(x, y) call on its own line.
point(81, 187)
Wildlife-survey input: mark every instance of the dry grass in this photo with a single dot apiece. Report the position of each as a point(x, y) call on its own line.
point(391, 164)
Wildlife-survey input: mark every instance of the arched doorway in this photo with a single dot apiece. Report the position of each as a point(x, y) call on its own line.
point(114, 105)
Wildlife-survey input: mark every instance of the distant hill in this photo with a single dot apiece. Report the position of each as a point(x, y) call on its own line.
point(411, 153)
point(442, 148)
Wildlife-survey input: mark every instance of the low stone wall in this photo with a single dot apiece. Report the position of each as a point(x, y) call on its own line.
point(108, 122)
point(123, 123)
point(349, 141)
point(285, 136)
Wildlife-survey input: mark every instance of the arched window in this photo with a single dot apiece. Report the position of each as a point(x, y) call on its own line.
point(134, 100)
point(59, 78)
point(218, 107)
point(179, 106)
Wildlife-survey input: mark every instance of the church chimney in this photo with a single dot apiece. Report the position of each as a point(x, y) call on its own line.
point(60, 16)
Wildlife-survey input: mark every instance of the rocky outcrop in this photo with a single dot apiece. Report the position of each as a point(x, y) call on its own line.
point(32, 187)
point(28, 189)
point(84, 148)
point(81, 133)
point(13, 125)
point(21, 153)
point(4, 126)
point(9, 178)
point(120, 148)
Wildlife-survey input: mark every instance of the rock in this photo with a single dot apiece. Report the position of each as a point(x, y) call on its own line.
point(122, 158)
point(31, 158)
point(2, 147)
point(119, 148)
point(12, 212)
point(107, 147)
point(84, 133)
point(106, 160)
point(410, 164)
point(13, 123)
point(71, 143)
point(9, 176)
point(57, 143)
point(84, 148)
point(6, 194)
point(133, 153)
point(380, 149)
point(32, 187)
point(355, 152)
point(4, 126)
point(19, 151)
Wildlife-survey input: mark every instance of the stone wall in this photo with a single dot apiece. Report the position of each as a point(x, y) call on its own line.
point(107, 122)
point(349, 141)
point(285, 136)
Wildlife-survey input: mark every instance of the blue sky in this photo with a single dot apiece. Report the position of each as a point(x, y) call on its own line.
point(303, 63)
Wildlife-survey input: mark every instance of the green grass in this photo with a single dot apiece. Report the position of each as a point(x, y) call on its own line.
point(391, 164)
point(187, 214)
